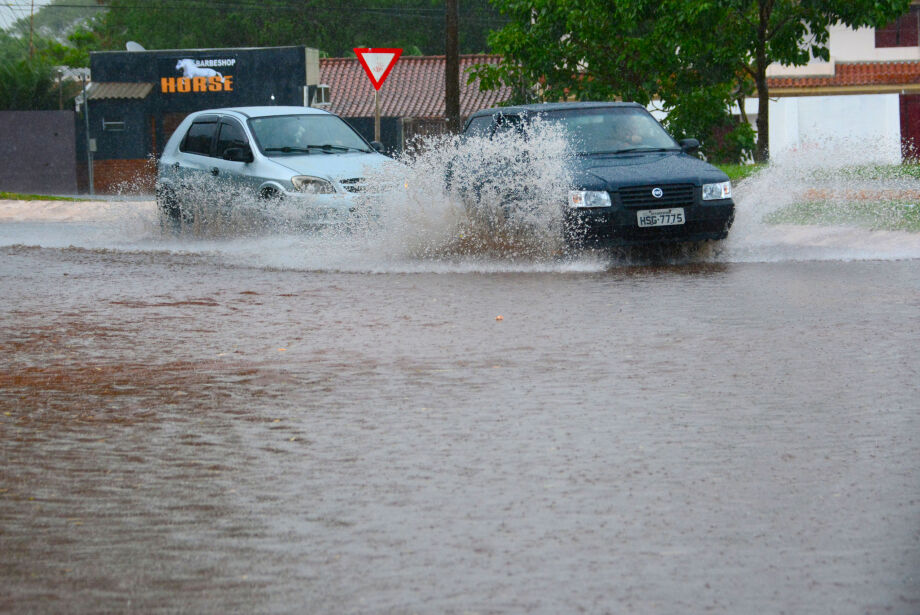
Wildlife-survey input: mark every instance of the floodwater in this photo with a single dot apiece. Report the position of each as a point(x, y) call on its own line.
point(282, 423)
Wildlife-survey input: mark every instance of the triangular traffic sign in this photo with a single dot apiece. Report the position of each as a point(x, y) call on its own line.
point(377, 63)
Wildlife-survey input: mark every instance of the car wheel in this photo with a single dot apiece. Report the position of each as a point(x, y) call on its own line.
point(270, 194)
point(168, 208)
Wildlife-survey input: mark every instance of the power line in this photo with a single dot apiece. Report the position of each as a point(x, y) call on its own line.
point(400, 11)
point(186, 5)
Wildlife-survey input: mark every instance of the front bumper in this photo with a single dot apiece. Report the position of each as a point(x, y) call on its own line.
point(618, 226)
point(322, 209)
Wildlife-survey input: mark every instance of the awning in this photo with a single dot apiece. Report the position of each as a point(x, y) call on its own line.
point(103, 90)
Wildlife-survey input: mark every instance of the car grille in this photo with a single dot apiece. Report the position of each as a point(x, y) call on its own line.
point(675, 195)
point(355, 184)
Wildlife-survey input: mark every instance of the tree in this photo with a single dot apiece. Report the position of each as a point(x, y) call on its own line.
point(696, 57)
point(33, 83)
point(602, 50)
point(332, 26)
point(28, 85)
point(788, 32)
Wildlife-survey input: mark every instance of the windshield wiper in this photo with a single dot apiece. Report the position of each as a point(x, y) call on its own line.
point(341, 148)
point(638, 148)
point(287, 149)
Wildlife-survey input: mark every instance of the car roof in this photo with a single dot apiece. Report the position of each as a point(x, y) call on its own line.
point(544, 107)
point(265, 111)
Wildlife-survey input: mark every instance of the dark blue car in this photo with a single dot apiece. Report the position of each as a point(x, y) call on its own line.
point(634, 184)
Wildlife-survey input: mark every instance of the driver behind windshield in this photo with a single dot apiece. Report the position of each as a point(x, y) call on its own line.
point(615, 130)
point(625, 131)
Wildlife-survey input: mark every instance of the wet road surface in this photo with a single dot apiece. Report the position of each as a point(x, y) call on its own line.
point(182, 432)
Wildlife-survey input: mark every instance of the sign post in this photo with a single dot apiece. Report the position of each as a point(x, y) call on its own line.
point(377, 63)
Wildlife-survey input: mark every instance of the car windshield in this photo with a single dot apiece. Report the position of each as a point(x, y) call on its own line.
point(611, 130)
point(286, 135)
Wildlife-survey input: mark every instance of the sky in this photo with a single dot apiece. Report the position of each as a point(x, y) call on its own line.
point(11, 10)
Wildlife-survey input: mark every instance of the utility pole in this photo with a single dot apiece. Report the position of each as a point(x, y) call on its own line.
point(31, 27)
point(89, 142)
point(452, 67)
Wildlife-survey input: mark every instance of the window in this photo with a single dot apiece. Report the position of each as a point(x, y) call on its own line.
point(113, 125)
point(199, 136)
point(279, 135)
point(903, 32)
point(231, 135)
point(479, 126)
point(322, 95)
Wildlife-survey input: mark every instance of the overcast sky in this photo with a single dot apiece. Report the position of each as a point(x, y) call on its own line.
point(11, 10)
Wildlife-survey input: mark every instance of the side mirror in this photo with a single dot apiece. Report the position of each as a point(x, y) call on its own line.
point(238, 154)
point(378, 146)
point(689, 146)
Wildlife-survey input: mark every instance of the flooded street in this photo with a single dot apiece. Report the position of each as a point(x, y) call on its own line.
point(273, 424)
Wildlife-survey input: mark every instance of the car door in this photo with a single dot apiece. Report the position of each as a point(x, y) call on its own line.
point(236, 175)
point(194, 164)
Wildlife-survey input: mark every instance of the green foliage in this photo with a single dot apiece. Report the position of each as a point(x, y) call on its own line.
point(332, 27)
point(739, 172)
point(28, 85)
point(15, 196)
point(875, 215)
point(76, 54)
point(31, 81)
point(697, 58)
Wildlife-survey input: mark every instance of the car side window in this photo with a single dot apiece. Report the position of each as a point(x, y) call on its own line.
point(231, 135)
point(199, 137)
point(478, 126)
point(508, 123)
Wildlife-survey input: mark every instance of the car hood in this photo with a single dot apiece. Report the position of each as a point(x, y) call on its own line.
point(333, 166)
point(610, 172)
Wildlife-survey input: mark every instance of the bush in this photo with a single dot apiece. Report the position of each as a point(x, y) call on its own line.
point(28, 85)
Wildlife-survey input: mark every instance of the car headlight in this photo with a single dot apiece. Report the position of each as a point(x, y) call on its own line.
point(312, 185)
point(712, 192)
point(584, 199)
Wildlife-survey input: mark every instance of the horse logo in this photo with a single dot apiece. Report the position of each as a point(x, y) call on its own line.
point(190, 69)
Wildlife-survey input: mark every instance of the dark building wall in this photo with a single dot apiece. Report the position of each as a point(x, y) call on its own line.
point(37, 153)
point(390, 131)
point(121, 130)
point(248, 76)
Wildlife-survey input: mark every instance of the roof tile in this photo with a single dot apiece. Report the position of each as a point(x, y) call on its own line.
point(414, 88)
point(856, 74)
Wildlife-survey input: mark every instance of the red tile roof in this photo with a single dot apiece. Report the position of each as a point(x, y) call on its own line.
point(414, 88)
point(852, 74)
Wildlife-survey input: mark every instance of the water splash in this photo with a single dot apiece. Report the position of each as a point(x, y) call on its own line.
point(431, 211)
point(856, 203)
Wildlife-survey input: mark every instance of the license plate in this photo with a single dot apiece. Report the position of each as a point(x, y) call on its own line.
point(661, 217)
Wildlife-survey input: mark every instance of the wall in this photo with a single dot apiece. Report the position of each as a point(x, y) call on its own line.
point(855, 129)
point(847, 45)
point(390, 131)
point(37, 152)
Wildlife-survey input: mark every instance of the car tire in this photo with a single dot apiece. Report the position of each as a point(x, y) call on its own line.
point(270, 194)
point(168, 208)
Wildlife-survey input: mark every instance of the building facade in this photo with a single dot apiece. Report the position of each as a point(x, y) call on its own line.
point(137, 98)
point(865, 99)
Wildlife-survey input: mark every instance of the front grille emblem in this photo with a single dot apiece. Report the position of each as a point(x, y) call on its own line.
point(657, 193)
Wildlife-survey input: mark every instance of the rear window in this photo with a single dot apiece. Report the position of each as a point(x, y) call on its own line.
point(198, 139)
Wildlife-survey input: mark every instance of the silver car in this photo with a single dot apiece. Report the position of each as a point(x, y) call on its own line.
point(306, 155)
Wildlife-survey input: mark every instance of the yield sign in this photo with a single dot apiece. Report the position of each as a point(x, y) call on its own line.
point(377, 63)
